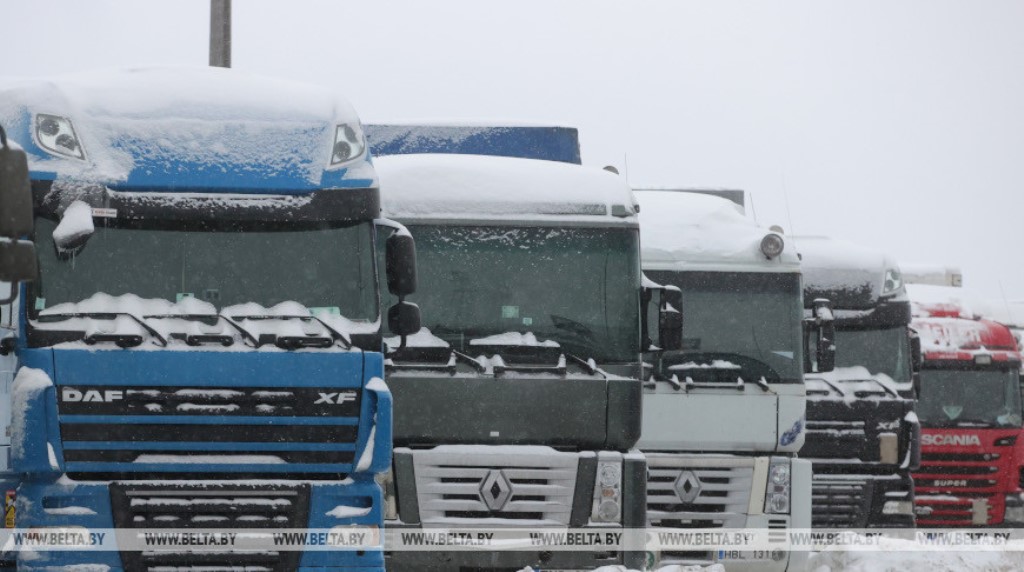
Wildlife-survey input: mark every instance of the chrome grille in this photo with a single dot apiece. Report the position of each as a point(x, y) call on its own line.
point(837, 428)
point(723, 491)
point(455, 485)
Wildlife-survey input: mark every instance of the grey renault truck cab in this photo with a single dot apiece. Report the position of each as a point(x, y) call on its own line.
point(724, 417)
point(518, 404)
point(863, 436)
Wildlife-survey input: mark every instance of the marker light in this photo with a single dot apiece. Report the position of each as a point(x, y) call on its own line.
point(893, 281)
point(772, 245)
point(349, 143)
point(983, 359)
point(57, 135)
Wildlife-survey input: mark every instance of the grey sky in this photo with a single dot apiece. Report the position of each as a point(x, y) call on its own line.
point(895, 124)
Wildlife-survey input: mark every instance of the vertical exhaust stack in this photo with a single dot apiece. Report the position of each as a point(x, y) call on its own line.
point(220, 33)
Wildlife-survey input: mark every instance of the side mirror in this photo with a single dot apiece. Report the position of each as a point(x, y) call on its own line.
point(404, 319)
point(75, 228)
point(823, 329)
point(670, 319)
point(400, 263)
point(17, 257)
point(15, 191)
point(916, 358)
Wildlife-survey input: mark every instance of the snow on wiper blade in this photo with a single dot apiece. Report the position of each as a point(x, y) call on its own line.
point(198, 338)
point(291, 338)
point(121, 339)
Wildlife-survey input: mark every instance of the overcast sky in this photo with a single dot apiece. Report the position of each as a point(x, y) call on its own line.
point(899, 125)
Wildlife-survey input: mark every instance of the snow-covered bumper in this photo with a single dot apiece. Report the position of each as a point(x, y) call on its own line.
point(506, 486)
point(728, 492)
point(266, 507)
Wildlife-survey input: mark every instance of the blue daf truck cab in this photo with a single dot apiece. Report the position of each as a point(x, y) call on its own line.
point(202, 348)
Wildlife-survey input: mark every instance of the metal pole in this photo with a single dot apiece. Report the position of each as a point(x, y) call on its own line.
point(220, 33)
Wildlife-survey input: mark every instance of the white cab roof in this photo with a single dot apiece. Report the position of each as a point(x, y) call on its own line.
point(442, 187)
point(689, 231)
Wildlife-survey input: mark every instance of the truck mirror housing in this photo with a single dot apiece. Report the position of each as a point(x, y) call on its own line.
point(404, 319)
point(670, 319)
point(17, 257)
point(400, 265)
point(915, 351)
point(17, 261)
point(826, 338)
point(15, 191)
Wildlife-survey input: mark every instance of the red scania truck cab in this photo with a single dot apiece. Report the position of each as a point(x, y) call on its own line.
point(969, 406)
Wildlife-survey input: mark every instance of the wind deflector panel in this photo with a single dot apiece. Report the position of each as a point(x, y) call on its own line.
point(525, 142)
point(326, 205)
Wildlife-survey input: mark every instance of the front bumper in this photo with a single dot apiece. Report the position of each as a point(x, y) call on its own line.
point(224, 506)
point(550, 491)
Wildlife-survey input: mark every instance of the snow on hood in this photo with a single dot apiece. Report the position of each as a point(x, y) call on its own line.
point(680, 230)
point(132, 304)
point(141, 308)
point(421, 339)
point(476, 187)
point(853, 380)
point(527, 339)
point(139, 124)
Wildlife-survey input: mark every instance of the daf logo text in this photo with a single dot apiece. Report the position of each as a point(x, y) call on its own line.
point(91, 395)
point(336, 398)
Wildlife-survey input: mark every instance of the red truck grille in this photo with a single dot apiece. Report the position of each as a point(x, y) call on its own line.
point(959, 489)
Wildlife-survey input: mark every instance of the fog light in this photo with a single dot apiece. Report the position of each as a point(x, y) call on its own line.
point(898, 507)
point(772, 245)
point(608, 511)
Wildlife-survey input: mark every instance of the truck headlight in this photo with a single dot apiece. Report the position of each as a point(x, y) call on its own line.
point(776, 499)
point(56, 134)
point(349, 143)
point(608, 492)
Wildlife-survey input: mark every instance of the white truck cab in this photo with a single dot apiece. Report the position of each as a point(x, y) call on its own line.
point(724, 417)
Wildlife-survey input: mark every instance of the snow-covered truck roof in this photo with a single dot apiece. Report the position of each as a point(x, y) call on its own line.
point(693, 231)
point(203, 128)
point(476, 188)
point(850, 275)
point(947, 339)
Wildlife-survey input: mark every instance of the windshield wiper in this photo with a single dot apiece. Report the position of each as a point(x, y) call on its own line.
point(199, 339)
point(121, 340)
point(418, 354)
point(292, 342)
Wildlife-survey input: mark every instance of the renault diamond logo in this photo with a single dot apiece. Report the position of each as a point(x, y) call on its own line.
point(495, 490)
point(687, 486)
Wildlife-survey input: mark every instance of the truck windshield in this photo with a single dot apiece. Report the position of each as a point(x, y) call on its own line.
point(969, 398)
point(753, 316)
point(522, 286)
point(881, 351)
point(325, 267)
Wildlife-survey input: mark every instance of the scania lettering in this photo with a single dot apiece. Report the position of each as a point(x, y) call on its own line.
point(206, 243)
point(862, 432)
point(958, 440)
point(724, 417)
point(970, 410)
point(518, 403)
